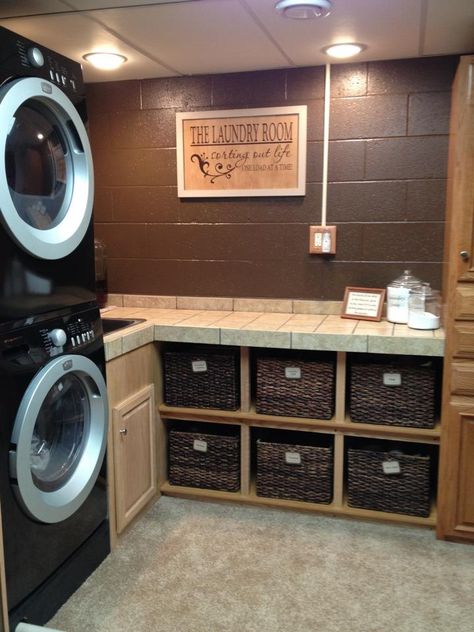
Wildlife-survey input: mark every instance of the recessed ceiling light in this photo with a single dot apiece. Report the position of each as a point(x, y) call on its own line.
point(105, 61)
point(341, 51)
point(303, 9)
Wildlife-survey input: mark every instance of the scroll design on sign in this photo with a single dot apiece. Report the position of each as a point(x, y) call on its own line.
point(205, 166)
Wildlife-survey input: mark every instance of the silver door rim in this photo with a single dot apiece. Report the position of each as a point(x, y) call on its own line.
point(55, 506)
point(63, 238)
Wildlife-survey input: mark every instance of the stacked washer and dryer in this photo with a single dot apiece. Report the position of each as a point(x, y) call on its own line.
point(53, 399)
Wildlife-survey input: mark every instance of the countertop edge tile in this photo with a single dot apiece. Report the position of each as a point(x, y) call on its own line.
point(181, 333)
point(406, 346)
point(256, 338)
point(329, 342)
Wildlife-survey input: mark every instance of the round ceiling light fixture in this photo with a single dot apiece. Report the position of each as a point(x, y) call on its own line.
point(105, 61)
point(303, 9)
point(343, 51)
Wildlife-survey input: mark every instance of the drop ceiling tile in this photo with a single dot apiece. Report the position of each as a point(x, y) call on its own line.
point(209, 36)
point(449, 27)
point(73, 35)
point(31, 7)
point(85, 5)
point(390, 29)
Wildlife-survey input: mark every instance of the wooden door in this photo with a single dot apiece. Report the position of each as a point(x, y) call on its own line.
point(133, 430)
point(456, 480)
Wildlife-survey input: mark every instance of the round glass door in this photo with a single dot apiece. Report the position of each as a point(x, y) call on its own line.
point(60, 435)
point(46, 172)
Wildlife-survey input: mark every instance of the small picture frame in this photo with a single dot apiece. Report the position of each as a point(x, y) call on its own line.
point(363, 303)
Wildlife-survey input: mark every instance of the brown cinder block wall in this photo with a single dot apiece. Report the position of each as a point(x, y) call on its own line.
point(387, 173)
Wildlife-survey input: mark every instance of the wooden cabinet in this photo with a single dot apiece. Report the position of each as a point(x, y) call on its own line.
point(133, 429)
point(341, 433)
point(456, 492)
point(132, 469)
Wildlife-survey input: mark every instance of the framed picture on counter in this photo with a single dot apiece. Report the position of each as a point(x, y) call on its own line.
point(251, 152)
point(363, 303)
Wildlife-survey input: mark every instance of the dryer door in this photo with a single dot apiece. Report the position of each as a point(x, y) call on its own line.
point(46, 173)
point(59, 438)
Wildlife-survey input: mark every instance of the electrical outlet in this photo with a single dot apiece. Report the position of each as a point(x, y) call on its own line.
point(322, 240)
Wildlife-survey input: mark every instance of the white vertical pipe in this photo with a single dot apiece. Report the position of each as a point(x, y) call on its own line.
point(327, 100)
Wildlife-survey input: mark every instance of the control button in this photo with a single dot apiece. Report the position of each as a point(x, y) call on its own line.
point(63, 80)
point(83, 337)
point(58, 78)
point(58, 337)
point(78, 339)
point(51, 74)
point(35, 57)
point(92, 334)
point(73, 84)
point(73, 342)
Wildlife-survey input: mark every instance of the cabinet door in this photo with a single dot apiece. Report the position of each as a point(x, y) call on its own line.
point(134, 454)
point(456, 474)
point(456, 491)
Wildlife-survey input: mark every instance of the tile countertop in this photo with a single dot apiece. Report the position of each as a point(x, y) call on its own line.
point(276, 330)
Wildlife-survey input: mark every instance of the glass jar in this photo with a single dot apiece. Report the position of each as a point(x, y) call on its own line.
point(398, 292)
point(424, 308)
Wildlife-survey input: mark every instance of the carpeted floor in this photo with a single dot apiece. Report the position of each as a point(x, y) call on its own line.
point(190, 566)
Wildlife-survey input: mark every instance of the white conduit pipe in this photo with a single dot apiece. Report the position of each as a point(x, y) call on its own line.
point(327, 100)
point(28, 627)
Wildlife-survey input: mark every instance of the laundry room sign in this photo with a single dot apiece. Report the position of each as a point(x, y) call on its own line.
point(242, 152)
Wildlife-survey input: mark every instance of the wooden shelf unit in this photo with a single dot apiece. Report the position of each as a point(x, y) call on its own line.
point(339, 426)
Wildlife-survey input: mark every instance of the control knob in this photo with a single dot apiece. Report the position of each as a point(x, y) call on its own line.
point(58, 337)
point(35, 57)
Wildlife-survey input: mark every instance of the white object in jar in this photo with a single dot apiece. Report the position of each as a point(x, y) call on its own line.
point(397, 304)
point(423, 320)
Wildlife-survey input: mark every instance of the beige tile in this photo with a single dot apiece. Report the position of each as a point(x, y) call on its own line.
point(206, 318)
point(173, 333)
point(262, 305)
point(407, 332)
point(115, 300)
point(336, 325)
point(328, 342)
point(121, 312)
point(302, 322)
point(236, 320)
point(374, 328)
point(268, 322)
point(317, 307)
point(137, 336)
point(143, 300)
point(211, 303)
point(440, 333)
point(112, 347)
point(246, 338)
point(406, 346)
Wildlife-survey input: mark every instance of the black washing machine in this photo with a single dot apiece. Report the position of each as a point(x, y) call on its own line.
point(46, 182)
point(53, 435)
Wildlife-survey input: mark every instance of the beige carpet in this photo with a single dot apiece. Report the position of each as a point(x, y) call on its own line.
point(191, 566)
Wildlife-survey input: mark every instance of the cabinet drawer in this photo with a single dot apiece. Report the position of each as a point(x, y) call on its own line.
point(464, 306)
point(463, 340)
point(462, 378)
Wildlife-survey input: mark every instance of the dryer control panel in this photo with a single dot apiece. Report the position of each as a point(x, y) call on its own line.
point(23, 58)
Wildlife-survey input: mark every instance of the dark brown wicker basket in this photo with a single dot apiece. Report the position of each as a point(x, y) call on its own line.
point(218, 386)
point(311, 395)
point(216, 468)
point(412, 403)
point(370, 488)
point(310, 480)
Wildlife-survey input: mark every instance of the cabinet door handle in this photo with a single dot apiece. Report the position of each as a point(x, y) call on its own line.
point(464, 255)
point(123, 431)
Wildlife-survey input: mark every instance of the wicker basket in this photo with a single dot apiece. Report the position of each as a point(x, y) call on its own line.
point(209, 461)
point(294, 472)
point(397, 393)
point(200, 378)
point(370, 486)
point(295, 387)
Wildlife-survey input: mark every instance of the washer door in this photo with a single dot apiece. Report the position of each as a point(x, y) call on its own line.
point(60, 434)
point(46, 173)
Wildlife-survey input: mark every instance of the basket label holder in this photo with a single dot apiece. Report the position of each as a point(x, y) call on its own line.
point(293, 458)
point(199, 445)
point(391, 467)
point(293, 373)
point(392, 379)
point(199, 366)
